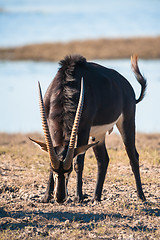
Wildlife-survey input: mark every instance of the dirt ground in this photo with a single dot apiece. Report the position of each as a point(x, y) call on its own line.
point(144, 47)
point(24, 172)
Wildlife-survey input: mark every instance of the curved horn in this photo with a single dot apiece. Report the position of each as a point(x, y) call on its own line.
point(52, 155)
point(70, 153)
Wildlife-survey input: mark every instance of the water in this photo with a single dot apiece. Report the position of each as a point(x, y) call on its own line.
point(19, 93)
point(35, 21)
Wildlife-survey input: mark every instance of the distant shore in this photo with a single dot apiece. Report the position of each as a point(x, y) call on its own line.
point(145, 47)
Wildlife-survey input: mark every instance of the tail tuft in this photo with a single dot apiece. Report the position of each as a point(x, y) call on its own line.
point(139, 77)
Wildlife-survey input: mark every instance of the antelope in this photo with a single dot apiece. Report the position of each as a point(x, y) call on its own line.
point(86, 100)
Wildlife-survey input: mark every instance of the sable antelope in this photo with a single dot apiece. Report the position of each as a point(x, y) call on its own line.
point(86, 99)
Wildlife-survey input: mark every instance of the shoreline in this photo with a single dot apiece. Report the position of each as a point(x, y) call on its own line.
point(104, 48)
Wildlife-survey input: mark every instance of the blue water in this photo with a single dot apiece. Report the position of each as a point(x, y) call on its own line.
point(35, 21)
point(19, 93)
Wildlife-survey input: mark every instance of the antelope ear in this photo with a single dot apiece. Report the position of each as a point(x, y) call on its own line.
point(42, 145)
point(83, 149)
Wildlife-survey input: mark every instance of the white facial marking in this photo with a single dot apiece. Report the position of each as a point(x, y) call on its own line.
point(55, 177)
point(98, 132)
point(66, 181)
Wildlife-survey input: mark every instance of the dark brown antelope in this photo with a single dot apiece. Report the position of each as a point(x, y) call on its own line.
point(86, 99)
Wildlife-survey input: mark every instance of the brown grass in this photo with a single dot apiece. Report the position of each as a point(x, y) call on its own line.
point(145, 47)
point(23, 177)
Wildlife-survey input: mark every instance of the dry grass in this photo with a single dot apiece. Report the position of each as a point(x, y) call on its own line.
point(24, 173)
point(145, 47)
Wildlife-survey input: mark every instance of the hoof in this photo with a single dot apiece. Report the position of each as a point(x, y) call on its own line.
point(142, 197)
point(46, 199)
point(79, 199)
point(96, 199)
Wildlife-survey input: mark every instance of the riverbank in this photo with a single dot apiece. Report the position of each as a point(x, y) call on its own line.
point(24, 171)
point(145, 47)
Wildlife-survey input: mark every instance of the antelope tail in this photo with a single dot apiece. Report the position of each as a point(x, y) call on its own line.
point(139, 77)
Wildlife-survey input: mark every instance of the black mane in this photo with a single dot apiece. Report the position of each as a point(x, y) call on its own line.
point(65, 95)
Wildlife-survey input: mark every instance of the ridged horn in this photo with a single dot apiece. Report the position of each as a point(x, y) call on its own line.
point(52, 155)
point(70, 152)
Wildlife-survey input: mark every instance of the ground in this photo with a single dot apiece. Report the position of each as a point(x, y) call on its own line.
point(24, 171)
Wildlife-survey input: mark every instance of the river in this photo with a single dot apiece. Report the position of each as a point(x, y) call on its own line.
point(19, 93)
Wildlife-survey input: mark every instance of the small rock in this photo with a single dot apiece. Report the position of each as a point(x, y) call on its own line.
point(67, 222)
